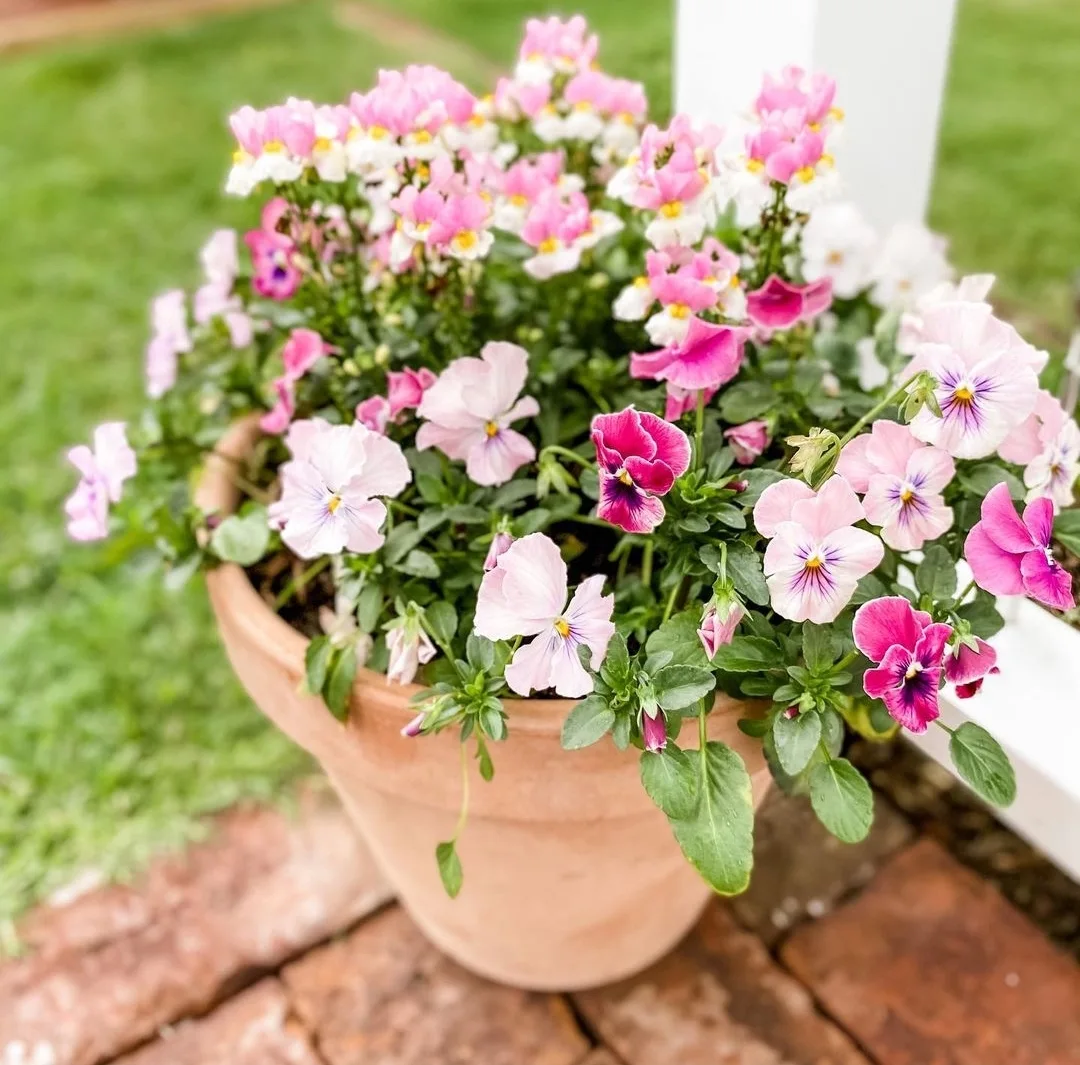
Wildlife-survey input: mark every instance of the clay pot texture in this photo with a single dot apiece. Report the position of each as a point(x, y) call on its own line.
point(572, 876)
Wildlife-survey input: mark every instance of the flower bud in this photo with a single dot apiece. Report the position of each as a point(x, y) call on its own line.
point(654, 732)
point(501, 541)
point(414, 727)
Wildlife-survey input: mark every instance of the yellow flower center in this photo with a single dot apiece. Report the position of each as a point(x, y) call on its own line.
point(273, 147)
point(421, 136)
point(583, 105)
point(422, 227)
point(734, 282)
point(834, 258)
point(679, 310)
point(492, 428)
point(624, 476)
point(912, 670)
point(813, 563)
point(239, 157)
point(672, 210)
point(333, 503)
point(963, 395)
point(755, 166)
point(562, 627)
point(836, 113)
point(625, 117)
point(806, 174)
point(518, 200)
point(322, 144)
point(477, 121)
point(641, 282)
point(548, 245)
point(466, 240)
point(378, 133)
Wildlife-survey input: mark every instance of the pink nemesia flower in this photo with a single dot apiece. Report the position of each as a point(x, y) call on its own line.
point(810, 96)
point(461, 228)
point(525, 595)
point(1008, 556)
point(405, 388)
point(778, 304)
point(103, 471)
point(500, 543)
point(908, 647)
point(966, 667)
point(718, 626)
point(468, 411)
point(680, 401)
point(986, 374)
point(639, 457)
point(374, 413)
point(554, 46)
point(902, 480)
point(748, 441)
point(328, 499)
point(816, 556)
point(409, 647)
point(708, 357)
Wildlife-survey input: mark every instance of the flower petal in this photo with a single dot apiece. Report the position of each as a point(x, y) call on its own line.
point(1001, 522)
point(884, 623)
point(1047, 582)
point(995, 570)
point(775, 504)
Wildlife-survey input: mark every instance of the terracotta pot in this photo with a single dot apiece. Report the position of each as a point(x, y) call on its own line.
point(572, 876)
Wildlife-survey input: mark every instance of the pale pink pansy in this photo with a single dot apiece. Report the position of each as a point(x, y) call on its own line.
point(103, 470)
point(525, 594)
point(329, 498)
point(971, 289)
point(1047, 444)
point(374, 413)
point(467, 413)
point(405, 388)
point(901, 480)
point(409, 647)
point(168, 319)
point(816, 556)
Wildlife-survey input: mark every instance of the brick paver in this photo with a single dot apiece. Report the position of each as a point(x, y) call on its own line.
point(385, 996)
point(931, 966)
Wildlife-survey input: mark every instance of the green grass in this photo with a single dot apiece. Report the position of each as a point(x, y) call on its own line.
point(120, 723)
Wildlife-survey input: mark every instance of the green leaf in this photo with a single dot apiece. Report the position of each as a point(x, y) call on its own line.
point(678, 687)
point(842, 799)
point(982, 615)
point(589, 721)
point(981, 762)
point(935, 576)
point(694, 523)
point(1067, 530)
point(718, 838)
point(730, 515)
point(316, 659)
point(748, 654)
point(757, 480)
point(978, 480)
point(754, 726)
point(480, 652)
point(679, 636)
point(670, 778)
point(400, 541)
point(869, 587)
point(339, 683)
point(242, 539)
point(369, 606)
point(419, 564)
point(746, 400)
point(616, 667)
point(620, 731)
point(819, 648)
point(744, 569)
point(449, 867)
point(442, 622)
point(795, 739)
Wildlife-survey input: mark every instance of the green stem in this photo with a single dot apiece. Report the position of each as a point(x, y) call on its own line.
point(869, 416)
point(965, 590)
point(588, 519)
point(646, 563)
point(558, 449)
point(846, 661)
point(463, 816)
point(405, 509)
point(260, 495)
point(671, 600)
point(297, 583)
point(941, 724)
point(699, 430)
point(703, 742)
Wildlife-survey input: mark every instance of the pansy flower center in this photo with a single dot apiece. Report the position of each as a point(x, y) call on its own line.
point(913, 670)
point(964, 394)
point(491, 429)
point(333, 503)
point(622, 474)
point(562, 627)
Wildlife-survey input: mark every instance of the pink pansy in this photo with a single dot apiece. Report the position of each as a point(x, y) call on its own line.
point(525, 595)
point(902, 480)
point(328, 502)
point(500, 544)
point(1008, 556)
point(716, 630)
point(639, 457)
point(816, 556)
point(374, 413)
point(966, 667)
point(778, 304)
point(1028, 440)
point(680, 401)
point(302, 435)
point(302, 350)
point(409, 647)
point(986, 374)
point(467, 413)
point(709, 356)
point(405, 388)
point(273, 256)
point(908, 648)
point(103, 471)
point(748, 441)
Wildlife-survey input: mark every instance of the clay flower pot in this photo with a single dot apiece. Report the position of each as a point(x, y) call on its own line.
point(572, 876)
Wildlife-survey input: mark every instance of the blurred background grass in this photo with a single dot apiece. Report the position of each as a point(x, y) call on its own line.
point(120, 723)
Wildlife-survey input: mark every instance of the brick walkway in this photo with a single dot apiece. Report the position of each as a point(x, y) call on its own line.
point(277, 943)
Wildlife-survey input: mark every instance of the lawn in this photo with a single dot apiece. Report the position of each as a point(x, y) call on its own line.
point(120, 723)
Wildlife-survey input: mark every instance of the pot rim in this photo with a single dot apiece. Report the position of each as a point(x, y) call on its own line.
point(217, 493)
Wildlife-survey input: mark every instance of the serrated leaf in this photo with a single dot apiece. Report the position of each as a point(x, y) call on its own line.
point(588, 721)
point(671, 780)
point(340, 681)
point(747, 654)
point(744, 569)
point(450, 871)
point(717, 838)
point(678, 687)
point(242, 539)
point(679, 636)
point(795, 739)
point(935, 575)
point(842, 799)
point(819, 648)
point(983, 764)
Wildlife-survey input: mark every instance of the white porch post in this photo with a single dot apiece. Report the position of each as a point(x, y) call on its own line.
point(889, 58)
